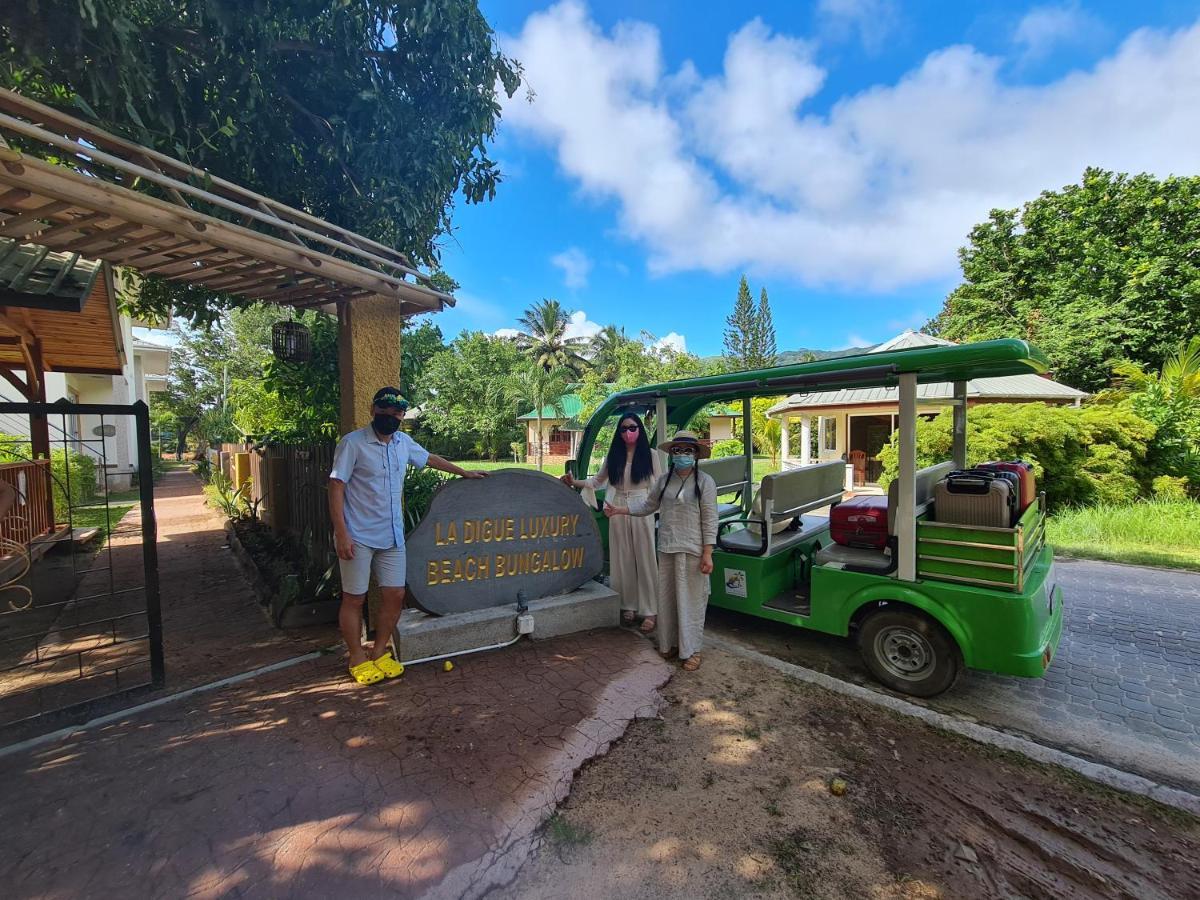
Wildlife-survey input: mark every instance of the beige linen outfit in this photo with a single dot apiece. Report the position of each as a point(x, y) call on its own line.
point(633, 569)
point(685, 526)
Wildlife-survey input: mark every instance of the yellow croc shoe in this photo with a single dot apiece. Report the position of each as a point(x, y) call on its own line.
point(388, 666)
point(366, 673)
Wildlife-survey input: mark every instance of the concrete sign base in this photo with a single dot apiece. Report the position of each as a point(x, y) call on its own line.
point(419, 636)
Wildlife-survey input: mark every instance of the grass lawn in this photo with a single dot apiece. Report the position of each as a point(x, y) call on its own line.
point(1150, 533)
point(95, 516)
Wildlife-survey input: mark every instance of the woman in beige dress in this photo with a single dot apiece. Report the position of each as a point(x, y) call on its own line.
point(628, 472)
point(686, 501)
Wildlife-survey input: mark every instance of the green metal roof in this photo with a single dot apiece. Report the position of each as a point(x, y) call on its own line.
point(572, 406)
point(960, 362)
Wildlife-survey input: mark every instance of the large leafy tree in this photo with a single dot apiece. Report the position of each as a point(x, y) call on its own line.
point(532, 385)
point(418, 345)
point(468, 405)
point(543, 337)
point(605, 351)
point(1105, 269)
point(372, 114)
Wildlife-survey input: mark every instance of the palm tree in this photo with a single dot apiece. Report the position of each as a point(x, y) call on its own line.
point(541, 388)
point(544, 337)
point(605, 351)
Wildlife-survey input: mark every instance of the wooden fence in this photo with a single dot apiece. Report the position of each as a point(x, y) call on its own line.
point(32, 511)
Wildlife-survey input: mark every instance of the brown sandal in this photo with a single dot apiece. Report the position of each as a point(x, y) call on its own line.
point(692, 663)
point(627, 617)
point(669, 654)
point(648, 624)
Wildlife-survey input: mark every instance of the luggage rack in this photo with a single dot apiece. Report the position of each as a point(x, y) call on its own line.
point(980, 555)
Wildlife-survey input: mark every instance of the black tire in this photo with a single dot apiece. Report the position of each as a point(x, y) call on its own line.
point(909, 652)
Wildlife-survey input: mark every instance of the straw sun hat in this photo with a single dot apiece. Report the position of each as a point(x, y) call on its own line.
point(687, 439)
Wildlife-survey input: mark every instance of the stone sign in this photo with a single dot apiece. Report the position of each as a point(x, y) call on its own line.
point(483, 541)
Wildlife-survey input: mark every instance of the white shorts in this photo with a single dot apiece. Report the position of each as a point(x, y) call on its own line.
point(389, 566)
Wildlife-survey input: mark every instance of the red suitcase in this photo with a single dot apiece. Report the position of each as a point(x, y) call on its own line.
point(860, 522)
point(1023, 471)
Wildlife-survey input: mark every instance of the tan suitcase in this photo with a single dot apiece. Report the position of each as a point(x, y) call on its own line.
point(972, 498)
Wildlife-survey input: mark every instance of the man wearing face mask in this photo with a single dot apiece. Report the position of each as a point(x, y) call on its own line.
point(366, 491)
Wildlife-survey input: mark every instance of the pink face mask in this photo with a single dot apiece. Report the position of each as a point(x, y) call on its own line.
point(630, 437)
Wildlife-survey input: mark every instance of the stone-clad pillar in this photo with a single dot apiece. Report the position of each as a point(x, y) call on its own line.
point(368, 355)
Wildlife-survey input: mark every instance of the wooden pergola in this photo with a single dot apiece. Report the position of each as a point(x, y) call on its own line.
point(108, 199)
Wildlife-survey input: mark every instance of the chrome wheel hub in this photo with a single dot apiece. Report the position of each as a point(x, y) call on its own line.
point(904, 653)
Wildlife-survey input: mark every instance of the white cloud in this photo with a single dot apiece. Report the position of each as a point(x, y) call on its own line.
point(871, 20)
point(672, 341)
point(575, 266)
point(582, 327)
point(506, 333)
point(854, 341)
point(731, 172)
point(1046, 28)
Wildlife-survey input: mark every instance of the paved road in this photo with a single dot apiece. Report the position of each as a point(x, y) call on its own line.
point(1124, 688)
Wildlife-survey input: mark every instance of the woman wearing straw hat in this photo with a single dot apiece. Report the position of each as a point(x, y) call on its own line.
point(629, 472)
point(686, 500)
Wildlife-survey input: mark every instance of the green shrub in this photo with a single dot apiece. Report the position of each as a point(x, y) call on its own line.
point(1170, 488)
point(419, 487)
point(72, 474)
point(1085, 455)
point(729, 447)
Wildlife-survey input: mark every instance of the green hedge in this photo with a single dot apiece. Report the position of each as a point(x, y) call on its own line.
point(1092, 454)
point(73, 475)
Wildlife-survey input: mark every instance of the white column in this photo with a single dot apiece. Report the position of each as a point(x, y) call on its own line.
point(805, 440)
point(784, 439)
point(906, 521)
point(959, 439)
point(820, 435)
point(660, 428)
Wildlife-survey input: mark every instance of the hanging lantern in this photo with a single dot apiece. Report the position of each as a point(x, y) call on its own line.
point(290, 343)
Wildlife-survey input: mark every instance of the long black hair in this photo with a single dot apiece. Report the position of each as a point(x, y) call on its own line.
point(695, 479)
point(643, 461)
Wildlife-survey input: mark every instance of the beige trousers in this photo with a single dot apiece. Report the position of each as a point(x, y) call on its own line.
point(682, 602)
point(633, 567)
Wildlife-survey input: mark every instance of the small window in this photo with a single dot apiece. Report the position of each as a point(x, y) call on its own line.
point(828, 429)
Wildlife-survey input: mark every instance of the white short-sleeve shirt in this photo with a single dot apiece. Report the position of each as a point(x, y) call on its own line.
point(373, 470)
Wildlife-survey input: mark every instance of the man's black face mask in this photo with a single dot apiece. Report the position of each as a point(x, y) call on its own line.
point(383, 423)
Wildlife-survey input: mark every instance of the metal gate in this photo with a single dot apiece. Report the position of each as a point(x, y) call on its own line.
point(79, 602)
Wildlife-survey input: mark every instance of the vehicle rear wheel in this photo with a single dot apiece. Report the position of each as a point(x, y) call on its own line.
point(909, 652)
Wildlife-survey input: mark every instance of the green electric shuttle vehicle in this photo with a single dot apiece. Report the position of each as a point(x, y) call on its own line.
point(941, 597)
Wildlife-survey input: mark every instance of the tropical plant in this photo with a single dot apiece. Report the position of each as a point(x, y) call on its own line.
point(231, 502)
point(543, 337)
point(372, 114)
point(419, 487)
point(467, 401)
point(543, 389)
point(605, 351)
point(1101, 270)
point(1170, 399)
point(1095, 454)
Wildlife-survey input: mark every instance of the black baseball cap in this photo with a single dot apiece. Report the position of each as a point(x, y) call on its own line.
point(390, 396)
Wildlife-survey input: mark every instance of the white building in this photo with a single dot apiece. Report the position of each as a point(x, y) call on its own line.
point(51, 280)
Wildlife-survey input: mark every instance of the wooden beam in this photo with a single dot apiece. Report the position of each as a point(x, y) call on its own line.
point(62, 183)
point(144, 255)
point(211, 264)
point(16, 195)
point(18, 226)
point(174, 260)
point(16, 327)
point(11, 377)
point(97, 238)
point(75, 225)
point(239, 275)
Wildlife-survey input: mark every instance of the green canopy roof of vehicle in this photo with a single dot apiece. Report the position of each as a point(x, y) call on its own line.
point(932, 364)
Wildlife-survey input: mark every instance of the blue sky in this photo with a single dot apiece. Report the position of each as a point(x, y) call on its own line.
point(836, 152)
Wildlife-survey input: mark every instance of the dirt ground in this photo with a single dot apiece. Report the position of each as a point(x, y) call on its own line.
point(728, 794)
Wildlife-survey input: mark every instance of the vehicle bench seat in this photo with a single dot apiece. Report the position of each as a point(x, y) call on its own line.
point(877, 560)
point(725, 510)
point(750, 541)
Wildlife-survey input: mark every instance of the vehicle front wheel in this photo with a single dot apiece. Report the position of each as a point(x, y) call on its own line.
point(909, 652)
